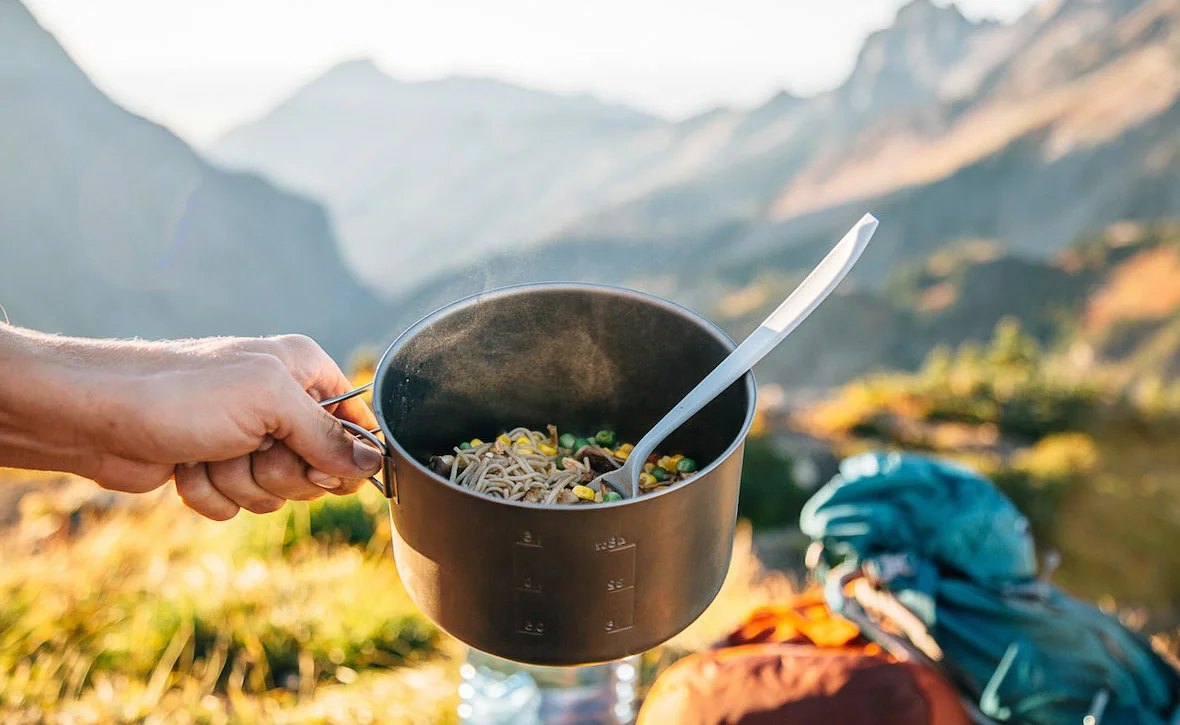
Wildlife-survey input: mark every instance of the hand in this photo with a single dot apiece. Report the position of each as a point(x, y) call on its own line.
point(234, 420)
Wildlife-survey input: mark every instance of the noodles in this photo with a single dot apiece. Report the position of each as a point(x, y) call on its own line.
point(537, 467)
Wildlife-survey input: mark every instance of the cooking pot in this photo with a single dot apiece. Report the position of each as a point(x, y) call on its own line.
point(558, 585)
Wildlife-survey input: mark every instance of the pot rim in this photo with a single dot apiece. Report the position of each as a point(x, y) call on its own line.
point(413, 330)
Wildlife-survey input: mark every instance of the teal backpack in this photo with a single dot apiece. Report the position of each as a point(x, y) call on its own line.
point(958, 558)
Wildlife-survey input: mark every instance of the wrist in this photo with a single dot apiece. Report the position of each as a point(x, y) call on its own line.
point(42, 404)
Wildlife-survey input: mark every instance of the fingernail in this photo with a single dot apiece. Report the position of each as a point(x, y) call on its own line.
point(267, 442)
point(367, 458)
point(322, 479)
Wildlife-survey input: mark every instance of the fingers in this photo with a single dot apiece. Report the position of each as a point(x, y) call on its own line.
point(320, 376)
point(235, 481)
point(197, 492)
point(317, 436)
point(288, 402)
point(120, 474)
point(284, 474)
point(260, 483)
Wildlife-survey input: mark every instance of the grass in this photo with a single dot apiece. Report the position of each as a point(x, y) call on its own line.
point(148, 611)
point(118, 609)
point(1096, 470)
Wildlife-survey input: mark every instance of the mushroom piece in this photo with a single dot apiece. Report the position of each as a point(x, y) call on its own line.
point(600, 461)
point(441, 466)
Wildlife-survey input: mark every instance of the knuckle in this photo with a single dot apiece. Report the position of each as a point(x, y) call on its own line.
point(300, 343)
point(257, 500)
point(275, 469)
point(349, 487)
point(222, 512)
point(130, 481)
point(268, 367)
point(306, 493)
point(332, 433)
point(264, 505)
point(207, 504)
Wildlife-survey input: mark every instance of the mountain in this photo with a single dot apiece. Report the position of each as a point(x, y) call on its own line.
point(1074, 126)
point(112, 226)
point(461, 168)
point(432, 172)
point(1071, 127)
point(1020, 138)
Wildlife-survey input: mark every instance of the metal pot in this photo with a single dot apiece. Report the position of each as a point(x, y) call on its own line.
point(552, 585)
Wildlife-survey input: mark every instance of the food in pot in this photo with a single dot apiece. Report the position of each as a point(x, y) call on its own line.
point(528, 465)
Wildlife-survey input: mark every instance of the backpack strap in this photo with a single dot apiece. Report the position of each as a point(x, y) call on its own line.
point(844, 587)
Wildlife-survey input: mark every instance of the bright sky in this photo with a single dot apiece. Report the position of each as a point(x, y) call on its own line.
point(201, 67)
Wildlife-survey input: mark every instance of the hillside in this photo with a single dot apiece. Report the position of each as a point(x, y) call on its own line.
point(1023, 151)
point(460, 168)
point(112, 226)
point(434, 172)
point(1032, 133)
point(1095, 470)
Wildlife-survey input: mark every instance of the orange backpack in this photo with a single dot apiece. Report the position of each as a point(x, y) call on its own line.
point(799, 664)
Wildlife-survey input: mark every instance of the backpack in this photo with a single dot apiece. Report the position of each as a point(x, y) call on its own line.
point(798, 664)
point(955, 560)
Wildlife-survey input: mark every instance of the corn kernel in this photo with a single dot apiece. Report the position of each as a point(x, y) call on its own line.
point(547, 449)
point(646, 479)
point(522, 441)
point(504, 439)
point(627, 447)
point(476, 443)
point(649, 467)
point(524, 450)
point(584, 492)
point(622, 454)
point(667, 464)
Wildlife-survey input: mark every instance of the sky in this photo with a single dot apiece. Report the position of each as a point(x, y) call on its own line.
point(201, 68)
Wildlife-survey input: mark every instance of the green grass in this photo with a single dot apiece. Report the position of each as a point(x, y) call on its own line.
point(1096, 470)
point(152, 601)
point(145, 613)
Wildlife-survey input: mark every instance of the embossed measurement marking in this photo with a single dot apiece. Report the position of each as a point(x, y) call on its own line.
point(530, 578)
point(618, 612)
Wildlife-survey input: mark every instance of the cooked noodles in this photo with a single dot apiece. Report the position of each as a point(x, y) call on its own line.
point(528, 465)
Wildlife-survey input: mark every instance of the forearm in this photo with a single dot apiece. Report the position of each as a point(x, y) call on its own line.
point(44, 410)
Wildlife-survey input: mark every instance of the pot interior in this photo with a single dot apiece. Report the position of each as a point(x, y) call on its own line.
point(583, 357)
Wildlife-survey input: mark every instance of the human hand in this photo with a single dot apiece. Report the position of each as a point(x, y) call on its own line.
point(234, 420)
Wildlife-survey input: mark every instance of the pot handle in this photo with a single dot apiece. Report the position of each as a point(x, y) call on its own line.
point(369, 436)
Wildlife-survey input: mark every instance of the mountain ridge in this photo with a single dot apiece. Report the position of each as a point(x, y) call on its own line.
point(124, 220)
point(1030, 133)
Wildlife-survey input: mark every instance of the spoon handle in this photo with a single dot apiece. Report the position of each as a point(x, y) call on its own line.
point(801, 303)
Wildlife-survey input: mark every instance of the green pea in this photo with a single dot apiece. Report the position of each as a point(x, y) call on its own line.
point(580, 444)
point(686, 465)
point(560, 464)
point(567, 440)
point(605, 437)
point(659, 474)
point(611, 496)
point(464, 446)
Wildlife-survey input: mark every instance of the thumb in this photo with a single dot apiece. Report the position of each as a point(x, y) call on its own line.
point(318, 437)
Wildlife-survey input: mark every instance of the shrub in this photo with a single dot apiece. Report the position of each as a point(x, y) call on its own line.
point(769, 496)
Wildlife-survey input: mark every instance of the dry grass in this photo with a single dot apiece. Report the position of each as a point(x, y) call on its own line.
point(133, 610)
point(1145, 287)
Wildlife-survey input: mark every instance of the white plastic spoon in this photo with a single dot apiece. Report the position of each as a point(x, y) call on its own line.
point(801, 303)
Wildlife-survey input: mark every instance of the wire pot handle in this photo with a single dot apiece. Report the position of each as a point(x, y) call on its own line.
point(368, 436)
